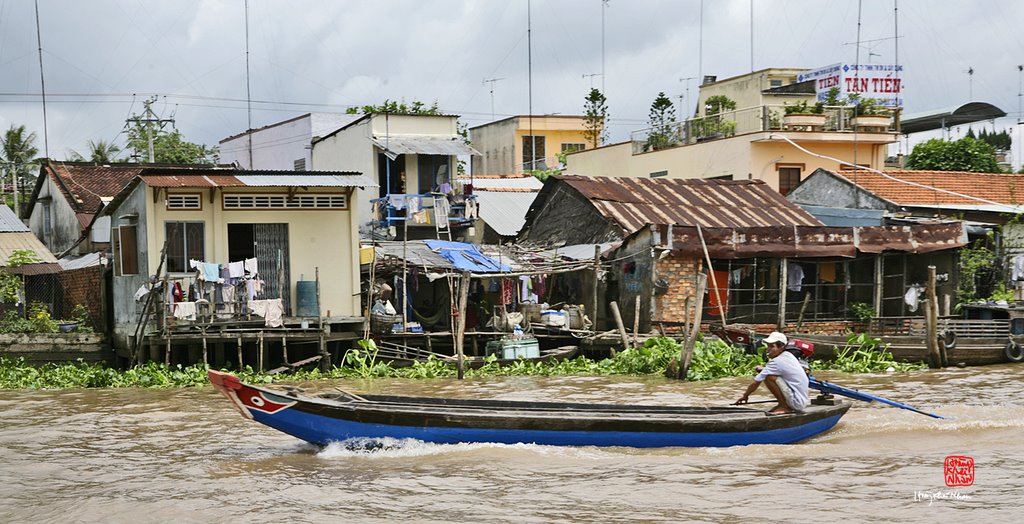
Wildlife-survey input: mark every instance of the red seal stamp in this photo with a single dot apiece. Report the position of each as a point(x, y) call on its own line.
point(958, 470)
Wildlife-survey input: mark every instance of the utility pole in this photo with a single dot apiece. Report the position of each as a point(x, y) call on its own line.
point(492, 81)
point(149, 118)
point(591, 76)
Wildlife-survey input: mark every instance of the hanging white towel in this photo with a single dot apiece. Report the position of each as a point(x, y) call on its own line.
point(236, 269)
point(185, 310)
point(912, 297)
point(251, 266)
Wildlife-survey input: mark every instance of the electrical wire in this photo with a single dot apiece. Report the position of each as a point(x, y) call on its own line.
point(1014, 209)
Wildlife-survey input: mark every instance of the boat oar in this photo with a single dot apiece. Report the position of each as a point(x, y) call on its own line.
point(828, 387)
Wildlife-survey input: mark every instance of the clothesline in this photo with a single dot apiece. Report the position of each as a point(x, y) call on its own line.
point(213, 272)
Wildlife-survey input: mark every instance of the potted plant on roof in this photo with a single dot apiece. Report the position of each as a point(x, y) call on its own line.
point(868, 114)
point(804, 115)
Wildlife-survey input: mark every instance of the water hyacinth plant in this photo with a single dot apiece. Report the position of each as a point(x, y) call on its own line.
point(712, 358)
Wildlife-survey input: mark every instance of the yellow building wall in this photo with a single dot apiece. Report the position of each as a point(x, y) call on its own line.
point(324, 239)
point(742, 157)
point(553, 140)
point(746, 89)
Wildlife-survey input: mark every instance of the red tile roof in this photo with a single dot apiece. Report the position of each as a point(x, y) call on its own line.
point(996, 187)
point(87, 185)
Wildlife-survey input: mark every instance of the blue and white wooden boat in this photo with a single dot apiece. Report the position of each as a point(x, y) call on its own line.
point(334, 417)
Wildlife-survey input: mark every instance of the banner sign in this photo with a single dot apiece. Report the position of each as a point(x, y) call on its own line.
point(882, 82)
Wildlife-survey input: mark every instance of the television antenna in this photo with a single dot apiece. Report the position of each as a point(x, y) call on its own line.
point(492, 81)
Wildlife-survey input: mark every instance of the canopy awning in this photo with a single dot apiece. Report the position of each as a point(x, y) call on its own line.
point(402, 145)
point(953, 116)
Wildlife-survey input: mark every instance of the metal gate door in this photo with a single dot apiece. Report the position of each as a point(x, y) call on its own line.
point(271, 243)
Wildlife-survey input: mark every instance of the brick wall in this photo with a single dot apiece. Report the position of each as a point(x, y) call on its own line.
point(681, 275)
point(83, 286)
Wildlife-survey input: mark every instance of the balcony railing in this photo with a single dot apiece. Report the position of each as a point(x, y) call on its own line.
point(426, 209)
point(751, 120)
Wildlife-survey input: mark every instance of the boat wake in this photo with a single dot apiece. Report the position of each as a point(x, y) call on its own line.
point(387, 447)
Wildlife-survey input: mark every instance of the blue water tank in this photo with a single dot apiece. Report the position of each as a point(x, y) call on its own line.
point(306, 291)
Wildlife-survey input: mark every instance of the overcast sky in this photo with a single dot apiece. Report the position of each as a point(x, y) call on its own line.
point(103, 57)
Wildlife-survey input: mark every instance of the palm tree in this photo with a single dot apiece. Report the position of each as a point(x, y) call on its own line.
point(100, 151)
point(19, 152)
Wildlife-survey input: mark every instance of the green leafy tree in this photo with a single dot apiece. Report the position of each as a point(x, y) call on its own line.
point(595, 111)
point(661, 120)
point(397, 108)
point(1001, 140)
point(20, 152)
point(168, 146)
point(100, 151)
point(717, 104)
point(966, 154)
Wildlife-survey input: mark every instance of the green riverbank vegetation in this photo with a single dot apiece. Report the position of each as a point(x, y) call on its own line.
point(712, 359)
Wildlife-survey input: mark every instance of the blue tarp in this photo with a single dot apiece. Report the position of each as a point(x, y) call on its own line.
point(466, 256)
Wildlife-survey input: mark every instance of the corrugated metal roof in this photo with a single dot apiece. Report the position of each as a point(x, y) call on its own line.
point(191, 180)
point(505, 213)
point(262, 179)
point(48, 268)
point(634, 202)
point(424, 146)
point(84, 261)
point(9, 242)
point(306, 179)
point(9, 222)
point(812, 241)
point(511, 182)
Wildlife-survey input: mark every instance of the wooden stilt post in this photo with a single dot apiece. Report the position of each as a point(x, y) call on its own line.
point(260, 353)
point(284, 348)
point(597, 282)
point(931, 322)
point(167, 354)
point(783, 288)
point(461, 329)
point(933, 298)
point(691, 339)
point(238, 342)
point(636, 322)
point(325, 357)
point(618, 323)
point(879, 280)
point(206, 361)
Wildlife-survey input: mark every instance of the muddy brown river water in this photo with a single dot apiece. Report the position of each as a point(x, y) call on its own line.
point(133, 455)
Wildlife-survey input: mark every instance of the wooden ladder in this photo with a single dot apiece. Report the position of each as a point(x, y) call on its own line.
point(441, 223)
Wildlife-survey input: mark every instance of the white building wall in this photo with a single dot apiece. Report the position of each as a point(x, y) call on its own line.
point(279, 146)
point(350, 150)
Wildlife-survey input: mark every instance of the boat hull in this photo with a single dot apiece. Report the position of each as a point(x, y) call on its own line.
point(321, 420)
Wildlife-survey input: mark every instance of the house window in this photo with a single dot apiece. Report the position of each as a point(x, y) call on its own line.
point(300, 164)
point(775, 83)
point(533, 153)
point(184, 201)
point(185, 241)
point(573, 147)
point(658, 174)
point(433, 173)
point(789, 177)
point(255, 201)
point(126, 251)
